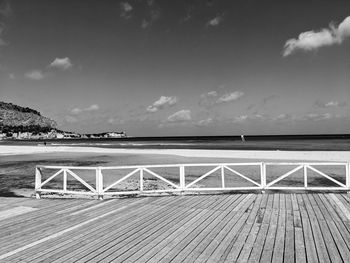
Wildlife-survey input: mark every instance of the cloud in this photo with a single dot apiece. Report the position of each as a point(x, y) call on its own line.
point(34, 74)
point(216, 20)
point(61, 63)
point(126, 9)
point(154, 15)
point(76, 111)
point(313, 40)
point(314, 117)
point(240, 118)
point(161, 103)
point(180, 116)
point(93, 107)
point(12, 76)
point(328, 104)
point(205, 122)
point(213, 98)
point(230, 97)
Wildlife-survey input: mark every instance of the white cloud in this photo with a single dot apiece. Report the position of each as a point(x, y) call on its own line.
point(145, 24)
point(241, 118)
point(205, 122)
point(314, 117)
point(332, 103)
point(180, 116)
point(34, 75)
point(126, 9)
point(213, 98)
point(125, 6)
point(61, 63)
point(313, 40)
point(93, 107)
point(161, 103)
point(216, 20)
point(230, 97)
point(76, 111)
point(154, 15)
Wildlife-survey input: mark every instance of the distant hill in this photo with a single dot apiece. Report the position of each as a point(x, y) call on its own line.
point(17, 118)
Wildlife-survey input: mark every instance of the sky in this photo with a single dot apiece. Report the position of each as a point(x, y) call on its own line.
point(175, 68)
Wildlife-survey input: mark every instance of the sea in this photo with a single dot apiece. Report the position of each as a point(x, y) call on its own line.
point(314, 142)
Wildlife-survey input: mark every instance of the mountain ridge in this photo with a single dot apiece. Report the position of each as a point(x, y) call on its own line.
point(12, 115)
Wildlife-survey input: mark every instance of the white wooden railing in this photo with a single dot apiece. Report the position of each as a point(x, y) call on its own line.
point(261, 180)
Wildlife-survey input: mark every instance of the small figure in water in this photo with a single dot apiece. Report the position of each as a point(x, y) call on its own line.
point(242, 138)
point(44, 143)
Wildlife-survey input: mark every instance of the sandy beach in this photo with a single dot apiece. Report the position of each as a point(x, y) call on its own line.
point(17, 163)
point(324, 156)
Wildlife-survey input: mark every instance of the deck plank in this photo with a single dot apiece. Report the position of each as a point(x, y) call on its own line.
point(273, 227)
point(249, 244)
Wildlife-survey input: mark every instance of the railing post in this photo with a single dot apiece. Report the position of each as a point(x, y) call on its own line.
point(182, 178)
point(37, 182)
point(99, 183)
point(64, 180)
point(141, 180)
point(305, 176)
point(263, 176)
point(222, 176)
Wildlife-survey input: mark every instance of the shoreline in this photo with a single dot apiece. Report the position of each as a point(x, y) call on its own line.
point(326, 156)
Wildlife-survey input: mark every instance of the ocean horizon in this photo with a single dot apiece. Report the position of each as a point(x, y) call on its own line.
point(310, 142)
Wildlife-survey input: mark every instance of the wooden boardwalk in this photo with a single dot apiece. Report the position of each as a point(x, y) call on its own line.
point(207, 228)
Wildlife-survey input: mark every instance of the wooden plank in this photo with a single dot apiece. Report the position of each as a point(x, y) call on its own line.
point(94, 230)
point(185, 243)
point(329, 232)
point(249, 244)
point(232, 252)
point(90, 250)
point(340, 205)
point(311, 252)
point(206, 237)
point(16, 211)
point(180, 229)
point(223, 230)
point(289, 248)
point(159, 243)
point(128, 227)
point(37, 242)
point(316, 230)
point(340, 234)
point(300, 248)
point(260, 240)
point(220, 253)
point(267, 252)
point(46, 228)
point(33, 229)
point(278, 250)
